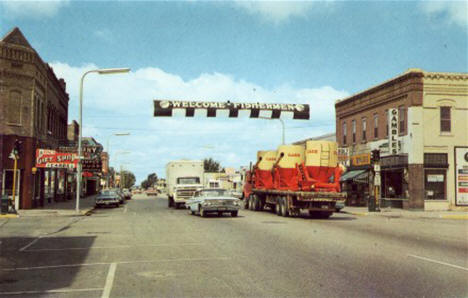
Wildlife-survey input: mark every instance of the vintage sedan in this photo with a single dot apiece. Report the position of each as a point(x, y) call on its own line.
point(107, 198)
point(213, 200)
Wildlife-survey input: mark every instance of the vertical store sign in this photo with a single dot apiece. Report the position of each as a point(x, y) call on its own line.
point(461, 175)
point(393, 131)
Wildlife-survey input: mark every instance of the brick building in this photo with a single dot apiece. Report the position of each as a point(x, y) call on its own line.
point(34, 110)
point(421, 164)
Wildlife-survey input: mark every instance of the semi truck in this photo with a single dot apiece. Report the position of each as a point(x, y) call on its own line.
point(295, 178)
point(183, 178)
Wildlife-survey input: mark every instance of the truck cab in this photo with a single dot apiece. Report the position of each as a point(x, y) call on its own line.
point(183, 179)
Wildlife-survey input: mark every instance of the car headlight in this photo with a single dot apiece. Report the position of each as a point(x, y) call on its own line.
point(235, 203)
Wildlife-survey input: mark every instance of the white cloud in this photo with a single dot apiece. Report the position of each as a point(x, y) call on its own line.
point(276, 11)
point(124, 102)
point(32, 8)
point(455, 12)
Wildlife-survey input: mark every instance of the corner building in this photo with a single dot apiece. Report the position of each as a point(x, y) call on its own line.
point(34, 110)
point(427, 165)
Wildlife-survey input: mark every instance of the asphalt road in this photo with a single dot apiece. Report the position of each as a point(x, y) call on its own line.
point(144, 249)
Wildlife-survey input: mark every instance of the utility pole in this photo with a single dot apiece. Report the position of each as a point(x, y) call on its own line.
point(375, 159)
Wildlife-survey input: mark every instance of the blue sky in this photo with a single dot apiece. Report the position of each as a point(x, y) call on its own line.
point(304, 52)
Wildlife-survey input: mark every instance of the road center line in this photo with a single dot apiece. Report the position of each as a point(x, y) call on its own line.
point(31, 243)
point(51, 291)
point(438, 262)
point(109, 281)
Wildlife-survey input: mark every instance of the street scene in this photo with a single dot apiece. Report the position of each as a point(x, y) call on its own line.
point(142, 249)
point(233, 149)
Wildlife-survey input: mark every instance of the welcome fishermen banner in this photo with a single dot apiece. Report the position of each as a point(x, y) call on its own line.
point(163, 108)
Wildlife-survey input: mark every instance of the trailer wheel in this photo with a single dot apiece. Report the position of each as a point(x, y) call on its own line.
point(284, 207)
point(251, 199)
point(278, 207)
point(246, 203)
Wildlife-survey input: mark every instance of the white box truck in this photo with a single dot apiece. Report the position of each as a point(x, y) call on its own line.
point(183, 178)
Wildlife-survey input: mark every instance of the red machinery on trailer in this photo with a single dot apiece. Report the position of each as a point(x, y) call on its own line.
point(299, 178)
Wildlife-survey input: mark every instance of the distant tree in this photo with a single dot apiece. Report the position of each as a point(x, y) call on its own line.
point(128, 179)
point(149, 181)
point(211, 165)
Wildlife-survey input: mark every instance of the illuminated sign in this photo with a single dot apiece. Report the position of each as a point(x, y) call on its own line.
point(163, 108)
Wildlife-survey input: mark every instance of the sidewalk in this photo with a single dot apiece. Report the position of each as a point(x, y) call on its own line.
point(66, 208)
point(396, 212)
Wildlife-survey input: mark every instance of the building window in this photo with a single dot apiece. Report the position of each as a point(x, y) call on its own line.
point(376, 126)
point(354, 131)
point(13, 110)
point(344, 133)
point(402, 119)
point(445, 122)
point(386, 123)
point(364, 129)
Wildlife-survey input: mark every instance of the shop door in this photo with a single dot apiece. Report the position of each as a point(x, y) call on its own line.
point(7, 185)
point(434, 184)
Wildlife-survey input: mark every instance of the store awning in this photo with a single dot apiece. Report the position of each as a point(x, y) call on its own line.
point(354, 175)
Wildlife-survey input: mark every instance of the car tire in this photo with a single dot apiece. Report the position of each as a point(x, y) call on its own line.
point(234, 213)
point(202, 212)
point(192, 212)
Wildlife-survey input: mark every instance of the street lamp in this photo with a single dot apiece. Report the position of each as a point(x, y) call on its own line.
point(80, 157)
point(282, 125)
point(118, 134)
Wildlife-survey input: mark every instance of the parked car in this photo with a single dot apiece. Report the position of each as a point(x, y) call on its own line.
point(339, 205)
point(127, 194)
point(107, 198)
point(213, 201)
point(121, 195)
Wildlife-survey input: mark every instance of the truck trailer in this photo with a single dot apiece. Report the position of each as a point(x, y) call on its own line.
point(183, 179)
point(295, 178)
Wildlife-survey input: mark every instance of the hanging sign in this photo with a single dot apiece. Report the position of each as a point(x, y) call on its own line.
point(163, 108)
point(393, 131)
point(52, 159)
point(461, 176)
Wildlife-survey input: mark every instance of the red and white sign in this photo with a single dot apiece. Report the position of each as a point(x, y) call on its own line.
point(461, 175)
point(52, 159)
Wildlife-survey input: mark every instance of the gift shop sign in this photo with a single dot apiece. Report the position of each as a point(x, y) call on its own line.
point(53, 159)
point(461, 175)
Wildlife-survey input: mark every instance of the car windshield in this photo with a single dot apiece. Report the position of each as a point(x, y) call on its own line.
point(107, 193)
point(213, 193)
point(188, 180)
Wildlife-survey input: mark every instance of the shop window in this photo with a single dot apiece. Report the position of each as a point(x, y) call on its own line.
point(376, 126)
point(445, 121)
point(354, 131)
point(344, 133)
point(364, 129)
point(434, 184)
point(402, 119)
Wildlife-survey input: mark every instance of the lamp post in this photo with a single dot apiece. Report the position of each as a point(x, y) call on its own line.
point(116, 154)
point(118, 134)
point(103, 71)
point(282, 125)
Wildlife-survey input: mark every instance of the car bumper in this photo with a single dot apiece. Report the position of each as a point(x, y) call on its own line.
point(107, 202)
point(222, 208)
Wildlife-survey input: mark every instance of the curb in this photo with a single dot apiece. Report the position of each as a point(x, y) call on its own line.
point(446, 216)
point(9, 216)
point(455, 216)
